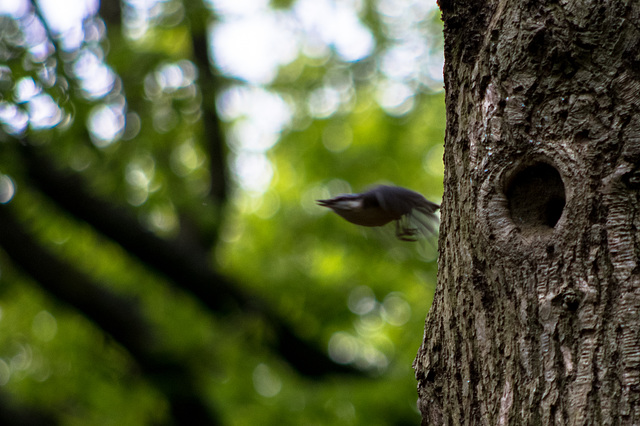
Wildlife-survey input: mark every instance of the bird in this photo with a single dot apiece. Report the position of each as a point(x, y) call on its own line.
point(413, 214)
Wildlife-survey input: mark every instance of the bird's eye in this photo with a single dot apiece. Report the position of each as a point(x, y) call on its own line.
point(370, 202)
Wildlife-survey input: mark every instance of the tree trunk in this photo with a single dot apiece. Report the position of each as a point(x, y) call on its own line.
point(536, 314)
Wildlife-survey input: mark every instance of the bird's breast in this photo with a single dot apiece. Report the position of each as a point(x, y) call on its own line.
point(367, 217)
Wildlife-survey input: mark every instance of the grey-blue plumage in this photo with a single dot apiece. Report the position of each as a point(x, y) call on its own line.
point(414, 215)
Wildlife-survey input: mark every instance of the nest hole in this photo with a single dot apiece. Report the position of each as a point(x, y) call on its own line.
point(536, 196)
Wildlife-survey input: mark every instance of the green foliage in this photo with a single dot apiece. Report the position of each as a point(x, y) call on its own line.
point(359, 294)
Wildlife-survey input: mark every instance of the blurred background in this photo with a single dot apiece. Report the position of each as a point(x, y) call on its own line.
point(162, 259)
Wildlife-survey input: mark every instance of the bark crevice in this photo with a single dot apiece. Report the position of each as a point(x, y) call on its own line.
point(538, 289)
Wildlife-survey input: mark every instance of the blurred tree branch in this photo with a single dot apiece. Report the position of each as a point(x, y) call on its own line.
point(18, 415)
point(182, 260)
point(118, 316)
point(199, 17)
point(111, 12)
point(185, 265)
point(212, 139)
point(213, 135)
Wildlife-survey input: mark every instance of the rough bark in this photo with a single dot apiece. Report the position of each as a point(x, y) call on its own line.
point(535, 318)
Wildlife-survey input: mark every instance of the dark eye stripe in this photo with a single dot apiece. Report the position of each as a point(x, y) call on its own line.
point(369, 200)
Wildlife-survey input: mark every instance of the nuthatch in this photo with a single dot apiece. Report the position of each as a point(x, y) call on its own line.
point(412, 212)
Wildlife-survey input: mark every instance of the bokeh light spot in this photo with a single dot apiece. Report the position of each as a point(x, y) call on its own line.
point(343, 348)
point(44, 326)
point(337, 137)
point(43, 112)
point(266, 382)
point(396, 311)
point(7, 189)
point(5, 372)
point(106, 124)
point(362, 300)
